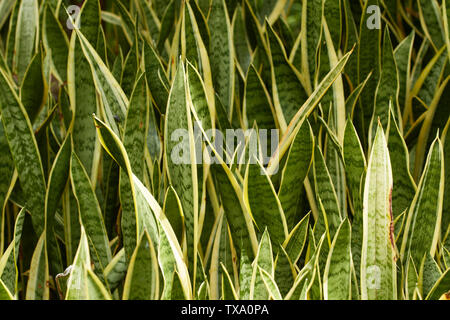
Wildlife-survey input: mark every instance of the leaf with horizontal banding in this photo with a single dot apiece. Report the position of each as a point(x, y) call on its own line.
point(221, 54)
point(378, 256)
point(333, 16)
point(440, 287)
point(56, 44)
point(241, 43)
point(264, 203)
point(287, 89)
point(22, 143)
point(297, 165)
point(142, 281)
point(169, 250)
point(180, 157)
point(306, 110)
point(114, 99)
point(326, 192)
point(83, 99)
point(387, 89)
point(368, 62)
point(26, 36)
point(116, 270)
point(312, 12)
point(156, 76)
point(263, 260)
point(33, 90)
point(337, 275)
point(404, 185)
point(355, 167)
point(90, 214)
point(422, 229)
point(431, 21)
point(174, 212)
point(257, 102)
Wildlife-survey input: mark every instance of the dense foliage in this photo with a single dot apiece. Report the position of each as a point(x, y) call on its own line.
point(352, 202)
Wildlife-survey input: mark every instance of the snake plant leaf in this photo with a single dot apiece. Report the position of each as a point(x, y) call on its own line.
point(257, 103)
point(127, 22)
point(168, 243)
point(174, 212)
point(167, 21)
point(90, 214)
point(431, 21)
point(7, 172)
point(114, 99)
point(263, 260)
point(136, 127)
point(422, 229)
point(429, 274)
point(23, 146)
point(306, 110)
point(5, 294)
point(312, 13)
point(95, 288)
point(134, 141)
point(296, 241)
point(337, 275)
point(181, 157)
point(264, 203)
point(33, 88)
point(404, 186)
point(198, 96)
point(5, 10)
point(287, 89)
point(38, 281)
point(369, 55)
point(56, 44)
point(241, 43)
point(9, 261)
point(222, 54)
point(142, 281)
point(116, 270)
point(270, 284)
point(130, 69)
point(156, 76)
point(440, 287)
point(446, 205)
point(403, 55)
point(90, 19)
point(58, 177)
point(297, 165)
point(83, 99)
point(228, 291)
point(333, 16)
point(387, 90)
point(26, 36)
point(76, 284)
point(350, 38)
point(326, 194)
point(378, 256)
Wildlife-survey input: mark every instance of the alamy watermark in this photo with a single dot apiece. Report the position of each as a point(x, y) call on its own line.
point(73, 22)
point(374, 20)
point(235, 146)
